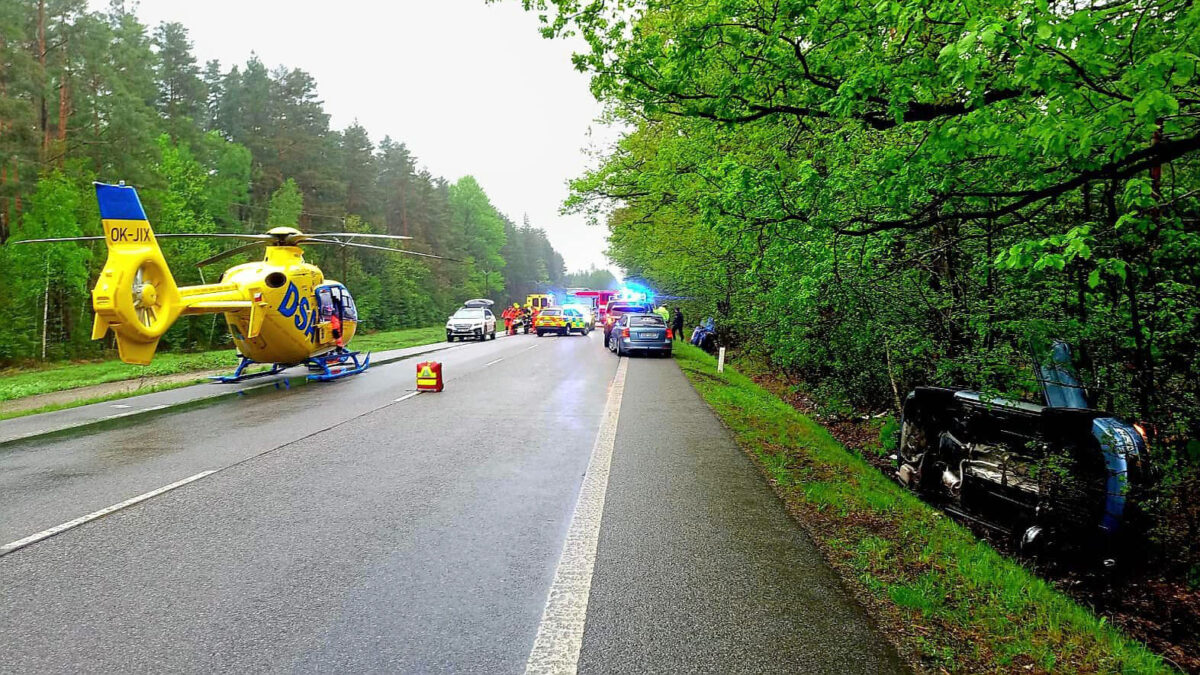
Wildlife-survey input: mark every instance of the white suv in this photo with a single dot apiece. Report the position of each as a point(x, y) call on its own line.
point(473, 320)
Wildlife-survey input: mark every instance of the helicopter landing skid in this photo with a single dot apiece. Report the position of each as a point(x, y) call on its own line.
point(324, 366)
point(237, 375)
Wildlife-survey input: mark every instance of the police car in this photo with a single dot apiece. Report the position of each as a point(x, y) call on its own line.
point(473, 320)
point(561, 320)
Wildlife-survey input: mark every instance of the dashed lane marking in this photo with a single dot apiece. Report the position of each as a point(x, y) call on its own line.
point(492, 363)
point(57, 529)
point(406, 396)
point(560, 633)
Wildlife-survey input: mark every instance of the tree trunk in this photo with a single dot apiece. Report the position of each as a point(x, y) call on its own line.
point(45, 309)
point(43, 112)
point(64, 112)
point(3, 204)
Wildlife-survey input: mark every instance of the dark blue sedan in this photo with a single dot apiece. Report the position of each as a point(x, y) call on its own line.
point(640, 333)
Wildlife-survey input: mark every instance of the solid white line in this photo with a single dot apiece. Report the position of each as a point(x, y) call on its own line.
point(492, 363)
point(34, 538)
point(560, 634)
point(406, 397)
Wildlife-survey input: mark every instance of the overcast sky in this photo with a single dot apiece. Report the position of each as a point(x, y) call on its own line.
point(472, 88)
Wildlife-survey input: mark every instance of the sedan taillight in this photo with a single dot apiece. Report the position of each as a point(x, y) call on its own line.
point(624, 332)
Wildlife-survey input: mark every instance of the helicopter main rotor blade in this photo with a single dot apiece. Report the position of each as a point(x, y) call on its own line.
point(214, 235)
point(231, 252)
point(358, 234)
point(380, 248)
point(218, 235)
point(53, 239)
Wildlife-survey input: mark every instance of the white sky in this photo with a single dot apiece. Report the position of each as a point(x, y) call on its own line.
point(471, 88)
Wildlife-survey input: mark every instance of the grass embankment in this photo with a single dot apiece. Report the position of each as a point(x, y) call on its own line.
point(16, 383)
point(950, 601)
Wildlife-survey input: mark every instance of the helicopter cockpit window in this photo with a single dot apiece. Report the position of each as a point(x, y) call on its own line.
point(325, 301)
point(350, 313)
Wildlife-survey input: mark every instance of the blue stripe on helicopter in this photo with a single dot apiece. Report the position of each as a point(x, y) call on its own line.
point(119, 202)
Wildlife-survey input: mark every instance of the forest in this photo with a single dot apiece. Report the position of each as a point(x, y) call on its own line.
point(98, 96)
point(872, 196)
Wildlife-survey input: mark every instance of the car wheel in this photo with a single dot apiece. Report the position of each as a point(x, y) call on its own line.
point(492, 335)
point(449, 338)
point(539, 333)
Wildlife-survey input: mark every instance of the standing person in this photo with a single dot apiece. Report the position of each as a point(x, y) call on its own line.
point(507, 315)
point(335, 324)
point(664, 313)
point(677, 323)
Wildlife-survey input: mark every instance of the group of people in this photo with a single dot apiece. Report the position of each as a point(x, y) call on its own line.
point(516, 315)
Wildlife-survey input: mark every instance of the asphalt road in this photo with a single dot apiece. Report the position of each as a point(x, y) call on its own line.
point(345, 530)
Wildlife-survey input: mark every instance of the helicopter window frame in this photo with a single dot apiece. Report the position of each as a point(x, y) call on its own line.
point(349, 310)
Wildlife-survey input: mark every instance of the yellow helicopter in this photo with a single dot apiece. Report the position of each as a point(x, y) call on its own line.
point(281, 311)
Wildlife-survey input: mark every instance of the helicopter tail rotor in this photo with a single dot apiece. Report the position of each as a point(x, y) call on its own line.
point(136, 296)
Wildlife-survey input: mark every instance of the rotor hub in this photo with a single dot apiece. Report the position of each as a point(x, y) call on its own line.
point(148, 296)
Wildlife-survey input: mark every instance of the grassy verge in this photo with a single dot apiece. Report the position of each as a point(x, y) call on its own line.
point(399, 339)
point(18, 383)
point(950, 601)
point(99, 399)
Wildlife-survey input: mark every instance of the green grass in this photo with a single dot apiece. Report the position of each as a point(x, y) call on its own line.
point(18, 383)
point(951, 601)
point(399, 339)
point(99, 399)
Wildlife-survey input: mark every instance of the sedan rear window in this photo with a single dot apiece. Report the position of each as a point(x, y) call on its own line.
point(646, 320)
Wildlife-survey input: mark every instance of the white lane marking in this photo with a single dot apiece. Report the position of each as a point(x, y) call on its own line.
point(34, 538)
point(560, 634)
point(492, 363)
point(119, 405)
point(406, 397)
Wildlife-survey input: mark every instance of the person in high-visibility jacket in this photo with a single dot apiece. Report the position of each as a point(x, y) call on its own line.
point(664, 313)
point(515, 313)
point(507, 315)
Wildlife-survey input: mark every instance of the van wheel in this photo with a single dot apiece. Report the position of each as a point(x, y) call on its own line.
point(492, 335)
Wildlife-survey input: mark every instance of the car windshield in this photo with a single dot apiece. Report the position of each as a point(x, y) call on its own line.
point(468, 313)
point(646, 320)
point(551, 312)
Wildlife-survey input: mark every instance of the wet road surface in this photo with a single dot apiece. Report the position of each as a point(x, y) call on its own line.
point(345, 530)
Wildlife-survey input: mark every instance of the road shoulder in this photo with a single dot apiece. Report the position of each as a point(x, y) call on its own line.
point(699, 566)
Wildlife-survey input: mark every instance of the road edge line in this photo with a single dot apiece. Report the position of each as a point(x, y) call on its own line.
point(71, 524)
point(559, 638)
